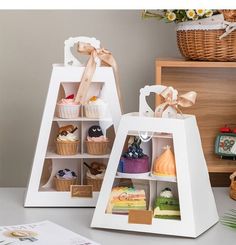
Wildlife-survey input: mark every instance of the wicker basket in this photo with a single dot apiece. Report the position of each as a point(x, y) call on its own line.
point(67, 147)
point(203, 42)
point(97, 148)
point(96, 183)
point(233, 186)
point(229, 14)
point(64, 184)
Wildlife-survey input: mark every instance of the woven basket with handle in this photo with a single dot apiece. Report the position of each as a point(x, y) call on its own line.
point(233, 186)
point(200, 40)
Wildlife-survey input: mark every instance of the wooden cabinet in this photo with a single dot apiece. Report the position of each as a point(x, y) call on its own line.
point(215, 83)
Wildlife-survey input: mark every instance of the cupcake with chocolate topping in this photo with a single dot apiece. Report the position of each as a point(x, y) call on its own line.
point(64, 179)
point(67, 142)
point(97, 143)
point(95, 175)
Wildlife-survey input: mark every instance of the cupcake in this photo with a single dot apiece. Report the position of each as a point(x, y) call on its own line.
point(95, 175)
point(67, 107)
point(97, 143)
point(134, 161)
point(95, 108)
point(67, 142)
point(64, 179)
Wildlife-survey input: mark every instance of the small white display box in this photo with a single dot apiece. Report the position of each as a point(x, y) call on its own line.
point(65, 80)
point(191, 190)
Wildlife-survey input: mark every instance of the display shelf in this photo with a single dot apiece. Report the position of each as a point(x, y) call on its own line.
point(53, 155)
point(52, 190)
point(151, 178)
point(81, 119)
point(215, 84)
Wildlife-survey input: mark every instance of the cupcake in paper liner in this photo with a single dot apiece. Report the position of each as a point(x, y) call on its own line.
point(95, 108)
point(64, 179)
point(67, 142)
point(97, 143)
point(68, 108)
point(95, 178)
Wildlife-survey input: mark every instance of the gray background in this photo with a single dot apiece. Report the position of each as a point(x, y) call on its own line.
point(31, 41)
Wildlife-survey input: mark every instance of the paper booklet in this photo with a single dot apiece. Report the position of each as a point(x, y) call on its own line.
point(42, 233)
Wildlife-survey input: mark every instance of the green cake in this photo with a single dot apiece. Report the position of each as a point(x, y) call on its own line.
point(166, 206)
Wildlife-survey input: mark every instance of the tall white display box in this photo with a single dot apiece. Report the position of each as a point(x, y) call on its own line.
point(65, 80)
point(191, 185)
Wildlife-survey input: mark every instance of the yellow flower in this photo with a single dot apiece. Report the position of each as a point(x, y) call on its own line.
point(191, 13)
point(171, 16)
point(200, 12)
point(209, 13)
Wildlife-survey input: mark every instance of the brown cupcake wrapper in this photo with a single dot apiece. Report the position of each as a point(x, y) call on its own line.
point(67, 148)
point(64, 184)
point(97, 148)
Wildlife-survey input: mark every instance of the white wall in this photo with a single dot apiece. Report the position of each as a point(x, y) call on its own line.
point(31, 41)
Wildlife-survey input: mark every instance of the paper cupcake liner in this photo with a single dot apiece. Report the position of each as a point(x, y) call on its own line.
point(96, 183)
point(67, 148)
point(67, 111)
point(97, 148)
point(95, 111)
point(64, 184)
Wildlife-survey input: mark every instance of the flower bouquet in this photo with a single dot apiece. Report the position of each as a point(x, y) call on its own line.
point(179, 15)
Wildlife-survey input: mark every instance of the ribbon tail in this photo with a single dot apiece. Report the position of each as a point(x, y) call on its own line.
point(178, 110)
point(159, 109)
point(85, 81)
point(109, 60)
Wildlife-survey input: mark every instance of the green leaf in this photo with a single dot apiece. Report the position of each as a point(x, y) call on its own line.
point(229, 219)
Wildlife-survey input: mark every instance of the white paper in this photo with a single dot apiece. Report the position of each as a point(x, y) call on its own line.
point(42, 233)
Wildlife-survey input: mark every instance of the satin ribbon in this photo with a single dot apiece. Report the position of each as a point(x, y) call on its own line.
point(172, 99)
point(106, 60)
point(229, 27)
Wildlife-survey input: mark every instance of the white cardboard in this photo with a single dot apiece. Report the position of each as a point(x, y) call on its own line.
point(197, 204)
point(67, 75)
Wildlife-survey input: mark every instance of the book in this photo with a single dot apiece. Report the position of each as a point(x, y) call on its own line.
point(41, 233)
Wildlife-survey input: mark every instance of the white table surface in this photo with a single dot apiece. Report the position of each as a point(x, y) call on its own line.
point(78, 220)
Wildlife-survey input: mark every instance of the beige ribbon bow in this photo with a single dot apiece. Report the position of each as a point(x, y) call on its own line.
point(172, 99)
point(106, 60)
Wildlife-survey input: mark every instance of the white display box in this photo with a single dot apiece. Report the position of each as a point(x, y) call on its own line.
point(192, 185)
point(65, 80)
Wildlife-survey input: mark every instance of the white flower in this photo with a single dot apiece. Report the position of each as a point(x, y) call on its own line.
point(171, 16)
point(191, 13)
point(209, 13)
point(200, 12)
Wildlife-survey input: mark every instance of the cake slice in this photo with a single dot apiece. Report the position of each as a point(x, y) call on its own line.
point(166, 206)
point(123, 199)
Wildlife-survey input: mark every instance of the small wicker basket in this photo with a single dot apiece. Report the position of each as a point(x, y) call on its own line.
point(200, 40)
point(67, 147)
point(229, 14)
point(97, 148)
point(96, 183)
point(233, 186)
point(64, 184)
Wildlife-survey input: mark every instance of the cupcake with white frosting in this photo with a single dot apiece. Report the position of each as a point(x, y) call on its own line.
point(67, 142)
point(95, 108)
